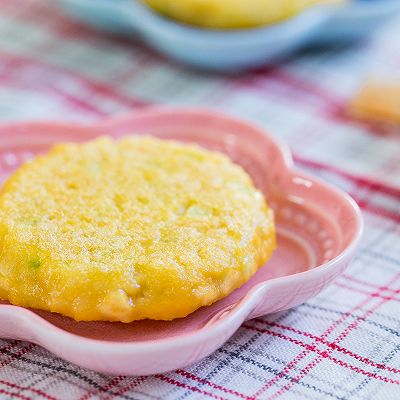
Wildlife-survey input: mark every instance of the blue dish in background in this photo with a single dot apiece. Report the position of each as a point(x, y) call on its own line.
point(226, 50)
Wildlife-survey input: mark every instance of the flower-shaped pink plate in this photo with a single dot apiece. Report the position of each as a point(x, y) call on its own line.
point(318, 231)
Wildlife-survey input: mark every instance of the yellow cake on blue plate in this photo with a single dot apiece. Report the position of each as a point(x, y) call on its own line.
point(232, 14)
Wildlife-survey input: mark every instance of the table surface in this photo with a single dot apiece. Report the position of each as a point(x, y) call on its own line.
point(343, 344)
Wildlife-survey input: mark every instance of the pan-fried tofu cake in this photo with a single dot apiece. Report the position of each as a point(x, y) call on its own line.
point(130, 229)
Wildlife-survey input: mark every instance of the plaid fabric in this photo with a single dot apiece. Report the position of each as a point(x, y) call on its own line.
point(343, 344)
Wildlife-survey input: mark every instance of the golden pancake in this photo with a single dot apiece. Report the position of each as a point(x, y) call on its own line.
point(130, 229)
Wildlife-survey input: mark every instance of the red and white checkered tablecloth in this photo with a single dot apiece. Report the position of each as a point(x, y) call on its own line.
point(345, 343)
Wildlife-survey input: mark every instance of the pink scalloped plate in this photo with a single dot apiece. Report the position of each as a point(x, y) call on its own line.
point(318, 230)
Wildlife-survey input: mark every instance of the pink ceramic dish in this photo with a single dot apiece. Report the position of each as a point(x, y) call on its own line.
point(318, 231)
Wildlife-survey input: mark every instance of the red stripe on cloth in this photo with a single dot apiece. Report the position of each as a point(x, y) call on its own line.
point(78, 103)
point(375, 127)
point(95, 87)
point(114, 381)
point(136, 382)
point(303, 354)
point(29, 389)
point(10, 346)
point(259, 81)
point(322, 353)
point(19, 353)
point(368, 183)
point(379, 211)
point(174, 382)
point(211, 384)
point(351, 288)
point(300, 356)
point(372, 285)
point(342, 336)
point(360, 182)
point(331, 345)
point(15, 395)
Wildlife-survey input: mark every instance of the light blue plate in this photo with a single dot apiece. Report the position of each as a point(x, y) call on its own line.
point(234, 50)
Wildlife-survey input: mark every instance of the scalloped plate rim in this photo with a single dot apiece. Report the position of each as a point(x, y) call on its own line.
point(240, 312)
